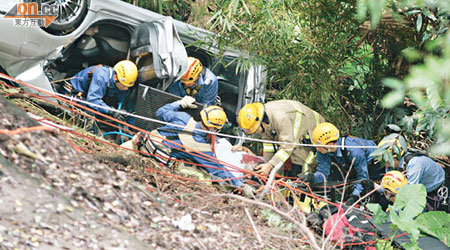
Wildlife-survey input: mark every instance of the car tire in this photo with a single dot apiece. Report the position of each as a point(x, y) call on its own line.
point(71, 14)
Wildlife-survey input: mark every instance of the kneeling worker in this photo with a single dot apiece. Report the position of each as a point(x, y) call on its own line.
point(212, 119)
point(419, 169)
point(198, 82)
point(391, 183)
point(358, 159)
point(104, 86)
point(286, 121)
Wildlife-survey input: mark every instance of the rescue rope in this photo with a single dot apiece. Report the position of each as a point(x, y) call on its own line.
point(65, 99)
point(23, 130)
point(373, 241)
point(280, 182)
point(70, 100)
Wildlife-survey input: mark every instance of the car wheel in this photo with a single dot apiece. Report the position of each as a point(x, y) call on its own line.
point(71, 14)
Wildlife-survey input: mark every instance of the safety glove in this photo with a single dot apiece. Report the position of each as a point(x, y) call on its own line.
point(368, 185)
point(307, 177)
point(350, 201)
point(187, 102)
point(120, 116)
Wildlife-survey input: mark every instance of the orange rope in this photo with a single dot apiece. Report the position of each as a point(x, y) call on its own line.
point(197, 153)
point(23, 130)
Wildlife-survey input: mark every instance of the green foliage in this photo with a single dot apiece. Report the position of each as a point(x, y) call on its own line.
point(275, 220)
point(427, 84)
point(384, 245)
point(374, 7)
point(406, 214)
point(177, 9)
point(313, 52)
point(380, 216)
point(406, 207)
point(404, 210)
point(436, 224)
point(386, 151)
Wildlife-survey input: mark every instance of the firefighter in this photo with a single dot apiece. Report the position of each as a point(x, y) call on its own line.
point(419, 169)
point(103, 86)
point(391, 183)
point(358, 159)
point(286, 121)
point(198, 82)
point(193, 141)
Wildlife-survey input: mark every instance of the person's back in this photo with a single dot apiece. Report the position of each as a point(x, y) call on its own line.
point(418, 169)
point(192, 136)
point(422, 169)
point(169, 113)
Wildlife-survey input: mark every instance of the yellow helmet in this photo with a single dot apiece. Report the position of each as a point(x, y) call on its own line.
point(392, 142)
point(213, 116)
point(193, 71)
point(393, 181)
point(250, 117)
point(126, 72)
point(324, 133)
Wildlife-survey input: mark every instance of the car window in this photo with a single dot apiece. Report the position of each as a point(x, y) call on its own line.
point(227, 71)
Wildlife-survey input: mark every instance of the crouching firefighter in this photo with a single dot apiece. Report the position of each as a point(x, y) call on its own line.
point(198, 82)
point(285, 121)
point(103, 86)
point(162, 142)
point(333, 163)
point(418, 169)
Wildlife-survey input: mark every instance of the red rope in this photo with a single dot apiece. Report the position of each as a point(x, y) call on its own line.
point(23, 130)
point(372, 241)
point(188, 150)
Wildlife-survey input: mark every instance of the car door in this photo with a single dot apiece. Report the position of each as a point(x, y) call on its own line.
point(161, 58)
point(158, 51)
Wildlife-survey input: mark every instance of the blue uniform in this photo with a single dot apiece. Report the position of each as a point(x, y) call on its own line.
point(359, 156)
point(206, 94)
point(170, 113)
point(421, 169)
point(100, 88)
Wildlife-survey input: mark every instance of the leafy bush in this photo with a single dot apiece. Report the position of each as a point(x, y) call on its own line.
point(406, 214)
point(179, 10)
point(427, 84)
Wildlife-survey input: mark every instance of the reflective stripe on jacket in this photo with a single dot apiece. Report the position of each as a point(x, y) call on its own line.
point(359, 157)
point(195, 140)
point(289, 121)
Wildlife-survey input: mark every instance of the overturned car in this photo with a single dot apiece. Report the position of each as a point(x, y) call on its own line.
point(89, 32)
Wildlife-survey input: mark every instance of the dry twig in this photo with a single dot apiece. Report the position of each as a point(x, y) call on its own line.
point(258, 237)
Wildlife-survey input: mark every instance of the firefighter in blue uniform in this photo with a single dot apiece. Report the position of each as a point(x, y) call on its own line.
point(358, 158)
point(420, 169)
point(198, 82)
point(189, 135)
point(104, 86)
